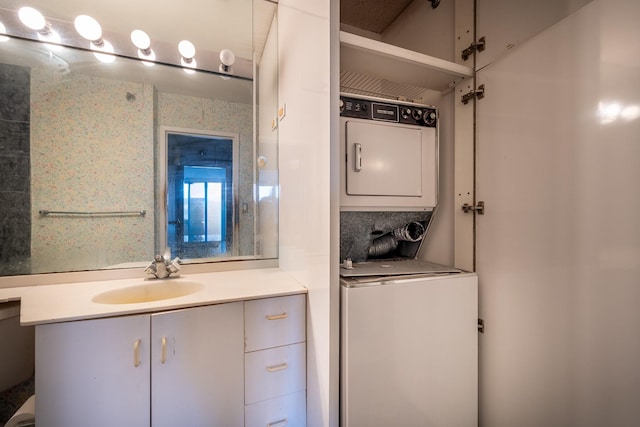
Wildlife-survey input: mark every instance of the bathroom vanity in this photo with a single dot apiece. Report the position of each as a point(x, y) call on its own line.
point(232, 353)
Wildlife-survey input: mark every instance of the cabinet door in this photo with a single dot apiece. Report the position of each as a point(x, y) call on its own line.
point(93, 373)
point(197, 367)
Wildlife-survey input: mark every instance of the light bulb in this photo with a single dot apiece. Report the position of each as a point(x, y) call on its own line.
point(186, 49)
point(107, 57)
point(188, 64)
point(88, 28)
point(32, 18)
point(227, 57)
point(140, 39)
point(146, 57)
point(51, 40)
point(3, 29)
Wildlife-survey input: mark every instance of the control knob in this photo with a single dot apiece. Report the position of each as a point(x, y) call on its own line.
point(430, 117)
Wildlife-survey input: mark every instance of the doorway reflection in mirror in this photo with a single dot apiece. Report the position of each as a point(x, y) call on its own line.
point(201, 194)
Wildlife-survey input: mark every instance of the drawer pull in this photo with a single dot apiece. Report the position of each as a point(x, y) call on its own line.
point(275, 368)
point(163, 353)
point(280, 423)
point(136, 353)
point(277, 316)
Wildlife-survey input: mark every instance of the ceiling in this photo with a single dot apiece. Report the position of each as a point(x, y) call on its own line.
point(371, 15)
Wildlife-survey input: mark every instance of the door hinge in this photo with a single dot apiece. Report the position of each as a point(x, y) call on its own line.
point(479, 208)
point(476, 93)
point(481, 326)
point(474, 47)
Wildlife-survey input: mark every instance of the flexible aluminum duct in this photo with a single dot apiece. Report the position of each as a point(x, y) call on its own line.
point(411, 232)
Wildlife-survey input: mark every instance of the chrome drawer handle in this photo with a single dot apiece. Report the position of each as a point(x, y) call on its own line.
point(280, 423)
point(279, 367)
point(163, 353)
point(136, 353)
point(276, 316)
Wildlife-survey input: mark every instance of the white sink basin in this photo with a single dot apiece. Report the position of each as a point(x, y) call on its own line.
point(149, 291)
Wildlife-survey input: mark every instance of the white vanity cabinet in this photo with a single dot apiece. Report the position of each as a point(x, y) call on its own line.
point(182, 367)
point(228, 365)
point(275, 360)
point(197, 370)
point(86, 373)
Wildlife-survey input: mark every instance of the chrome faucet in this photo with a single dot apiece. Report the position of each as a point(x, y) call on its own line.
point(162, 267)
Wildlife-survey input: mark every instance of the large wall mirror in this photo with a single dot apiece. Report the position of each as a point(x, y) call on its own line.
point(105, 164)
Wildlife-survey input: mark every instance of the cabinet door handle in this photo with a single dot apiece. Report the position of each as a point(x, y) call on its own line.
point(280, 423)
point(280, 367)
point(277, 316)
point(163, 352)
point(357, 156)
point(136, 353)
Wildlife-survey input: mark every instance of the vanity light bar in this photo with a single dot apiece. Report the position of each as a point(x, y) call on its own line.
point(58, 33)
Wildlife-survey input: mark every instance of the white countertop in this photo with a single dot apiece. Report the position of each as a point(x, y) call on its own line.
point(67, 302)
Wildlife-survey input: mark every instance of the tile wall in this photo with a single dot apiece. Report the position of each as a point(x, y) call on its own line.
point(15, 203)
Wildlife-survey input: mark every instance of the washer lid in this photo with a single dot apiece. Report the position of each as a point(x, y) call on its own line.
point(395, 267)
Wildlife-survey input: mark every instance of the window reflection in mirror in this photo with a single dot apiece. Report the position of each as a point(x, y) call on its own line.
point(201, 194)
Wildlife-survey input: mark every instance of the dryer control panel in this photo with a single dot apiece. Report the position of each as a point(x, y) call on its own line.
point(390, 154)
point(409, 114)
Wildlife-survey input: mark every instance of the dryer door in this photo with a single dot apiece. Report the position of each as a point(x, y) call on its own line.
point(383, 159)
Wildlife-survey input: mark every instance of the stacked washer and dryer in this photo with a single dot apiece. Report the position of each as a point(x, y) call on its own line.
point(408, 326)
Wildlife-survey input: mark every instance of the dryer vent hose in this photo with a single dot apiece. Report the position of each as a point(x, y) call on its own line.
point(411, 232)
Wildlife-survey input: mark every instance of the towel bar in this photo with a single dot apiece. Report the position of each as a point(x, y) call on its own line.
point(96, 214)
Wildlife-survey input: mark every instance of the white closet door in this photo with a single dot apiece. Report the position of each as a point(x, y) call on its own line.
point(507, 23)
point(197, 367)
point(558, 250)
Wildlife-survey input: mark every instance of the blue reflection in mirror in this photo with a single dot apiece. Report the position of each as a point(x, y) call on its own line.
point(200, 195)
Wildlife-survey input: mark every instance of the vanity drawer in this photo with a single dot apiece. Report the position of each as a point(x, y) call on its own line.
point(273, 322)
point(283, 411)
point(274, 372)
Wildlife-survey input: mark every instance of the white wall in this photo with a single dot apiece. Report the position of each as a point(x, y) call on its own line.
point(305, 180)
point(438, 245)
point(559, 247)
point(435, 35)
point(267, 147)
